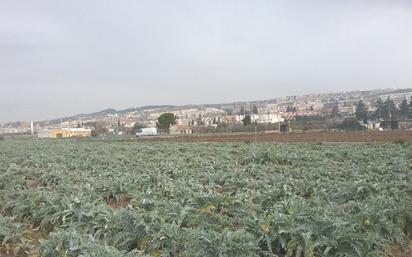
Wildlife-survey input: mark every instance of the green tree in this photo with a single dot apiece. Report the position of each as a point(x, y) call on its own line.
point(166, 120)
point(380, 109)
point(390, 111)
point(136, 128)
point(255, 109)
point(361, 113)
point(98, 128)
point(410, 108)
point(247, 120)
point(335, 111)
point(351, 124)
point(404, 109)
point(290, 108)
point(242, 110)
point(200, 121)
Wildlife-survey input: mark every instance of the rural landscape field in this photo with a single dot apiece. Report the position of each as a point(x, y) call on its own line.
point(101, 198)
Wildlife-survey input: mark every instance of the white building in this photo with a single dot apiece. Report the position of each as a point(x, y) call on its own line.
point(266, 118)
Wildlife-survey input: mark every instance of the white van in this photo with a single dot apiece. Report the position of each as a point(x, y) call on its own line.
point(146, 132)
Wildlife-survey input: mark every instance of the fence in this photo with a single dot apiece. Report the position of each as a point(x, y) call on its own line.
point(295, 137)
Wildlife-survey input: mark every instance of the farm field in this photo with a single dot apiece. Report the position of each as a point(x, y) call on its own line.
point(94, 198)
point(388, 136)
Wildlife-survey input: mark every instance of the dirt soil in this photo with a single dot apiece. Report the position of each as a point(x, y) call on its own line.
point(293, 137)
point(4, 253)
point(399, 252)
point(122, 202)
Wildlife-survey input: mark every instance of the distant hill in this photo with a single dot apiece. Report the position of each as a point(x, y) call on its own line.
point(369, 95)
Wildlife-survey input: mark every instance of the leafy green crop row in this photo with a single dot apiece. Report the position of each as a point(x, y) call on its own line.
point(123, 199)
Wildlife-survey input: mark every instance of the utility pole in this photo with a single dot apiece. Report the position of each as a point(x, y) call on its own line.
point(324, 132)
point(287, 133)
point(390, 114)
point(363, 132)
point(255, 135)
point(324, 128)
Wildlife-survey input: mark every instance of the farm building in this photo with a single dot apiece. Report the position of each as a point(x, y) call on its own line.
point(65, 133)
point(180, 129)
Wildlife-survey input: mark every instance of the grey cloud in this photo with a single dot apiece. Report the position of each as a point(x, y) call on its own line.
point(64, 57)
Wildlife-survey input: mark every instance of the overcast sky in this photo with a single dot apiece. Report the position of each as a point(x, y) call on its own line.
point(60, 58)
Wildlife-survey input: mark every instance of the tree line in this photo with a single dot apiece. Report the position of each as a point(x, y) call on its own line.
point(385, 110)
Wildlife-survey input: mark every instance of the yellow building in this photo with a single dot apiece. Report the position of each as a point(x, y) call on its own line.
point(66, 133)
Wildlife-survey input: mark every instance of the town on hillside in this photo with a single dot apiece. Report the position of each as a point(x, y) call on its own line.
point(371, 110)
